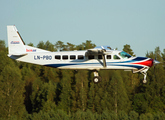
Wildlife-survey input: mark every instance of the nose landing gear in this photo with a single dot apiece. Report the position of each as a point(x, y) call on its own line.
point(145, 75)
point(144, 72)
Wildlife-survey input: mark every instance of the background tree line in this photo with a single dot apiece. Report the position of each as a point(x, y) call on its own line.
point(34, 92)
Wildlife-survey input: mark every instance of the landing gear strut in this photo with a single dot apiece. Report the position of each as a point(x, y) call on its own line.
point(145, 75)
point(144, 72)
point(96, 78)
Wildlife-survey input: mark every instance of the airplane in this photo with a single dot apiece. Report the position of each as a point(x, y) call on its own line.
point(96, 59)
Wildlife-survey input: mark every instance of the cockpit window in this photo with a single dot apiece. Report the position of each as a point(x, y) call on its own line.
point(124, 55)
point(115, 57)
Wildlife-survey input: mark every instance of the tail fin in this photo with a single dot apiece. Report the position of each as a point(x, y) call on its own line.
point(16, 45)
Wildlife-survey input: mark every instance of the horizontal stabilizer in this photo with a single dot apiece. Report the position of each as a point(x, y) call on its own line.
point(17, 55)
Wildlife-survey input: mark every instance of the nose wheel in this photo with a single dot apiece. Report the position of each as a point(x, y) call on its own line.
point(144, 81)
point(96, 78)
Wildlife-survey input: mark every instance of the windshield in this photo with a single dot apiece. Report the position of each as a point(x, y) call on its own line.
point(124, 55)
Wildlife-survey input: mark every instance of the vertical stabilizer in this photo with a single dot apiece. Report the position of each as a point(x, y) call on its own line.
point(15, 43)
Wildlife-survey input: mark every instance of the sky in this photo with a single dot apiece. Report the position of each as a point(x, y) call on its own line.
point(139, 23)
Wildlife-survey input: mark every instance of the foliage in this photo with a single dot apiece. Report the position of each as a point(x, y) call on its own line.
point(36, 92)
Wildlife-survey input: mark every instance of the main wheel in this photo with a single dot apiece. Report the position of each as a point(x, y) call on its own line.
point(97, 79)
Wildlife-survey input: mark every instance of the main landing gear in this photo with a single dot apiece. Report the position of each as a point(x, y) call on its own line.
point(96, 78)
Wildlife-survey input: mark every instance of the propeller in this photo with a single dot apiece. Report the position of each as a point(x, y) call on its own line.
point(155, 62)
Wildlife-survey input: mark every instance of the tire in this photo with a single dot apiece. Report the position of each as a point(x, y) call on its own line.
point(145, 81)
point(97, 79)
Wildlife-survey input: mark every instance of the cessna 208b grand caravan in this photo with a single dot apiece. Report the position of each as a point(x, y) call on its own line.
point(95, 59)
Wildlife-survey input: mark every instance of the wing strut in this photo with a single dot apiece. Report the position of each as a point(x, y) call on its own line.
point(103, 56)
point(101, 52)
point(104, 61)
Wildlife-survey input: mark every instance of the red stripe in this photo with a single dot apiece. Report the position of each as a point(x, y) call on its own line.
point(148, 63)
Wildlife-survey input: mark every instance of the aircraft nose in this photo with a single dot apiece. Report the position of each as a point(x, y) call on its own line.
point(150, 62)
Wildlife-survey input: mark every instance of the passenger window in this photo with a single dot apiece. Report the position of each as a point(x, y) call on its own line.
point(115, 57)
point(58, 57)
point(100, 57)
point(72, 57)
point(91, 57)
point(80, 57)
point(108, 56)
point(65, 57)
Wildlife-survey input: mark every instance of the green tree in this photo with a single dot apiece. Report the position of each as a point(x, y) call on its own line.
point(91, 97)
point(29, 77)
point(50, 102)
point(41, 45)
point(139, 103)
point(127, 48)
point(120, 100)
point(59, 45)
point(80, 47)
point(49, 46)
point(159, 116)
point(142, 117)
point(2, 45)
point(65, 96)
point(82, 115)
point(3, 56)
point(31, 44)
point(81, 89)
point(154, 90)
point(163, 57)
point(88, 44)
point(130, 80)
point(106, 115)
point(133, 115)
point(11, 92)
point(149, 116)
point(42, 95)
point(70, 47)
point(50, 74)
point(122, 115)
point(85, 45)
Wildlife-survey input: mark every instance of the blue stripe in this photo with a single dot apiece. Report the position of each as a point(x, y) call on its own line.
point(108, 64)
point(59, 65)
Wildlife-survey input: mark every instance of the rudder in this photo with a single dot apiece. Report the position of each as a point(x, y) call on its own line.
point(16, 45)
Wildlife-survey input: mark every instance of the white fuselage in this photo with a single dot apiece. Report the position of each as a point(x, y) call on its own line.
point(78, 60)
point(101, 57)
